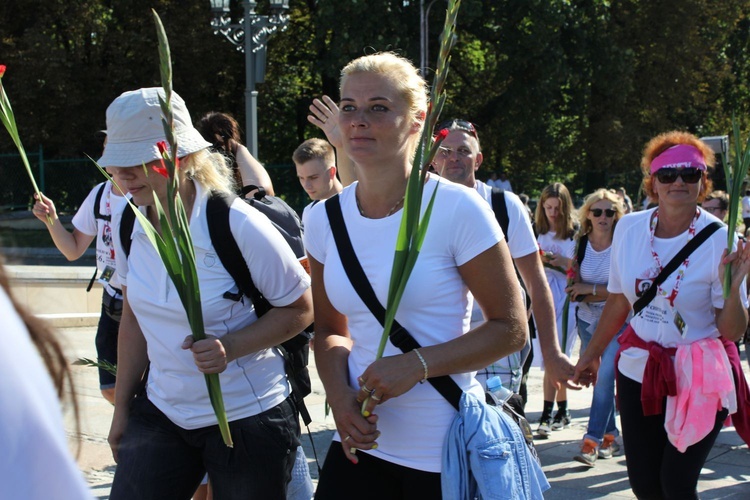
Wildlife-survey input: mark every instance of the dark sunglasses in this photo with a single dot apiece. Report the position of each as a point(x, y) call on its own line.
point(597, 212)
point(459, 125)
point(689, 175)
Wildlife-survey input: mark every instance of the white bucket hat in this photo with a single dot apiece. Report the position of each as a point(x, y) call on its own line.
point(134, 127)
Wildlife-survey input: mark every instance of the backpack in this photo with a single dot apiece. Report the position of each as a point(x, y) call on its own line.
point(98, 215)
point(295, 350)
point(501, 215)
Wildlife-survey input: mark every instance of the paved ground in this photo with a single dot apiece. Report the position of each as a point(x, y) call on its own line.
point(725, 476)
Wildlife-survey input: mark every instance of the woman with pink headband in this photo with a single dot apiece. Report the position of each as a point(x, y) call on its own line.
point(676, 367)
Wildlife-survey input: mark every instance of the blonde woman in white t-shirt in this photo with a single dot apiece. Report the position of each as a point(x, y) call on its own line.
point(599, 214)
point(556, 223)
point(397, 447)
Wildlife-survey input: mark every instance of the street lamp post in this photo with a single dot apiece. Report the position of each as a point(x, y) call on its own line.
point(424, 36)
point(250, 36)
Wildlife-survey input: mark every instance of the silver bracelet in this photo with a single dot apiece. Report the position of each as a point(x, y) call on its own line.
point(424, 365)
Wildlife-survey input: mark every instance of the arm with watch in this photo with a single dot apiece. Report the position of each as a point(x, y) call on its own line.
point(588, 292)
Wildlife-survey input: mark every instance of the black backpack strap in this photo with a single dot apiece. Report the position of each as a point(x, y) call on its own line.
point(230, 255)
point(126, 229)
point(673, 264)
point(500, 209)
point(222, 239)
point(582, 244)
point(98, 203)
point(398, 335)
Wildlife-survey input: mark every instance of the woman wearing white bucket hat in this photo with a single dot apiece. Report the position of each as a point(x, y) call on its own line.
point(166, 437)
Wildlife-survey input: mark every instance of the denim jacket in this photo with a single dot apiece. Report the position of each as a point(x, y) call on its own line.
point(485, 457)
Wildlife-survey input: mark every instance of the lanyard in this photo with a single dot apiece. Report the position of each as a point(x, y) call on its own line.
point(680, 270)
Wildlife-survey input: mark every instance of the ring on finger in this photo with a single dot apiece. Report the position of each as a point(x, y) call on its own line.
point(347, 438)
point(374, 397)
point(365, 388)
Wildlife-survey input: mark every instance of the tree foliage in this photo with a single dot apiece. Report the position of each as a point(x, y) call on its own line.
point(560, 90)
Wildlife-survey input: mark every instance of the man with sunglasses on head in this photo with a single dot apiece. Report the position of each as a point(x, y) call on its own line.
point(457, 160)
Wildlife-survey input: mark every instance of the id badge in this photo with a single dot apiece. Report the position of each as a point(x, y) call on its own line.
point(679, 322)
point(106, 275)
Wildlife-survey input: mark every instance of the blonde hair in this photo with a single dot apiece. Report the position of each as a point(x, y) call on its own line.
point(661, 143)
point(210, 170)
point(588, 202)
point(314, 149)
point(566, 222)
point(402, 73)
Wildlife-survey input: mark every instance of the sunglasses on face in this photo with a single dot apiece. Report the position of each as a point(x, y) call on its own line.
point(597, 212)
point(689, 175)
point(459, 125)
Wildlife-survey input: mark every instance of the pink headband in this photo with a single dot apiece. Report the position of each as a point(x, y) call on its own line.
point(680, 156)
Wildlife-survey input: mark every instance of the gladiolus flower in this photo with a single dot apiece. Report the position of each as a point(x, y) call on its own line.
point(162, 145)
point(571, 274)
point(161, 171)
point(2, 70)
point(442, 135)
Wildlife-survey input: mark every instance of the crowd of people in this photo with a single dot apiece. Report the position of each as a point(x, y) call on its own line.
point(496, 290)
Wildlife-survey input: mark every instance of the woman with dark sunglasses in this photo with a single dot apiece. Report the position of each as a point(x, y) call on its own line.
point(675, 383)
point(599, 215)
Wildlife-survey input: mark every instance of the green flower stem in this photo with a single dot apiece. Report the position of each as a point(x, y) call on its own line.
point(9, 121)
point(735, 173)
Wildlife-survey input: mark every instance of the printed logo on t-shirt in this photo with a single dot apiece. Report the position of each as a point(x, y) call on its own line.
point(644, 282)
point(209, 259)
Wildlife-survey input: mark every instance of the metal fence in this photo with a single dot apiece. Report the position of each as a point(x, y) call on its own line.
point(65, 181)
point(68, 181)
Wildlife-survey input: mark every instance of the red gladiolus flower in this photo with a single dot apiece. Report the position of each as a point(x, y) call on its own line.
point(161, 171)
point(571, 274)
point(162, 145)
point(442, 135)
point(2, 70)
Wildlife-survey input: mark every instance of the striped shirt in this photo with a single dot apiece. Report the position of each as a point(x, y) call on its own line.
point(594, 270)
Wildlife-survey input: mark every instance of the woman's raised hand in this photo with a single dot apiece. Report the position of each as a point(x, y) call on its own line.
point(324, 114)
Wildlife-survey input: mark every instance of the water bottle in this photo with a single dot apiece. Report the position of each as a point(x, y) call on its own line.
point(499, 393)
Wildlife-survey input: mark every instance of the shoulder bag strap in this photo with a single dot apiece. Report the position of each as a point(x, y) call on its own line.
point(581, 253)
point(673, 264)
point(500, 209)
point(97, 204)
point(398, 335)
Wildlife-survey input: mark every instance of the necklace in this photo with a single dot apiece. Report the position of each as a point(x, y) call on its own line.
point(680, 270)
point(390, 212)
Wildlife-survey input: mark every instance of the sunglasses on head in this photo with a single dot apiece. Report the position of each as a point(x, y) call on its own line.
point(597, 212)
point(457, 124)
point(690, 175)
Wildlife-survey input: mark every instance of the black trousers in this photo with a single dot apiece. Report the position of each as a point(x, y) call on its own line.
point(656, 469)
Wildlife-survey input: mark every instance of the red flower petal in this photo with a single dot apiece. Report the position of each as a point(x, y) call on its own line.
point(162, 145)
point(442, 134)
point(161, 171)
point(2, 70)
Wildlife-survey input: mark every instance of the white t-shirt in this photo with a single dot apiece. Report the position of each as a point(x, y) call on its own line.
point(557, 284)
point(594, 269)
point(434, 308)
point(85, 221)
point(521, 242)
point(250, 384)
point(633, 266)
point(746, 207)
point(504, 185)
point(35, 462)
